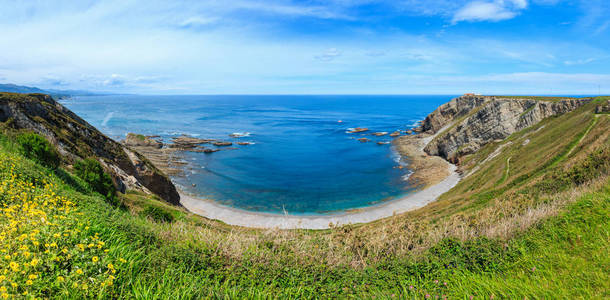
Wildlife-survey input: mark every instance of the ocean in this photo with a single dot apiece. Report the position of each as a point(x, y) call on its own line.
point(301, 161)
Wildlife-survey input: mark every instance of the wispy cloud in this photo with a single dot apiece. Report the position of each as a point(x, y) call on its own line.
point(328, 55)
point(579, 61)
point(289, 46)
point(494, 11)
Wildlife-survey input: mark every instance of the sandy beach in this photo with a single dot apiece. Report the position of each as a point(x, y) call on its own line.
point(437, 177)
point(244, 218)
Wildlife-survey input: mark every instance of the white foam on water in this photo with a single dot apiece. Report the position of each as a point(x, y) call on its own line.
point(107, 118)
point(240, 134)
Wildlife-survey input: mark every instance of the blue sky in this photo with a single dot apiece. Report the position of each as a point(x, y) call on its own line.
point(308, 47)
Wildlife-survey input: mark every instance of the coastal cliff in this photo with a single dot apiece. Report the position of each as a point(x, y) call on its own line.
point(76, 139)
point(465, 124)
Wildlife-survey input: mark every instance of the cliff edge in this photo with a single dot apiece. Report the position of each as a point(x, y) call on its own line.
point(465, 124)
point(76, 139)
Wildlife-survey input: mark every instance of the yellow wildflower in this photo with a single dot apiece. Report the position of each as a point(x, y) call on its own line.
point(60, 279)
point(32, 276)
point(28, 282)
point(79, 271)
point(95, 259)
point(13, 265)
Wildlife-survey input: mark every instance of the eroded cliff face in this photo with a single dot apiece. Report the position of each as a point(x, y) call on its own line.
point(465, 124)
point(77, 139)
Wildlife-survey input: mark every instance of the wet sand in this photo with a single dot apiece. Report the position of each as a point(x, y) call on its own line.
point(432, 174)
point(233, 216)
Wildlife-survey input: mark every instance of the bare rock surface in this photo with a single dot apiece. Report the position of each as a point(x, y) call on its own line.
point(76, 139)
point(478, 120)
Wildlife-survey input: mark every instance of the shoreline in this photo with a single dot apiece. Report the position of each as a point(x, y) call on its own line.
point(239, 217)
point(432, 175)
point(444, 176)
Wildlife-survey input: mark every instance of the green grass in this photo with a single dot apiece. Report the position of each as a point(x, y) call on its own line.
point(538, 98)
point(568, 252)
point(446, 249)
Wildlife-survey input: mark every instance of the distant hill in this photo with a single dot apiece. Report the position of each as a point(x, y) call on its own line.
point(58, 94)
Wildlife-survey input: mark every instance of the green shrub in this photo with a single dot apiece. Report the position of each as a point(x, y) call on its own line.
point(597, 163)
point(92, 172)
point(37, 148)
point(158, 214)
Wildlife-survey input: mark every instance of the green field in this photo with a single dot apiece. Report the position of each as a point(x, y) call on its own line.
point(537, 227)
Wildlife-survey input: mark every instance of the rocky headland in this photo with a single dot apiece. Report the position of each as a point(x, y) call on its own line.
point(465, 124)
point(76, 139)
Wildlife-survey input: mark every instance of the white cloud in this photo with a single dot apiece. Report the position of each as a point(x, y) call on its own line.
point(520, 4)
point(328, 55)
point(578, 61)
point(198, 21)
point(494, 11)
point(115, 80)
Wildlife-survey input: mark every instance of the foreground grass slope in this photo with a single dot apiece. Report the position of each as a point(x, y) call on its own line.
point(536, 225)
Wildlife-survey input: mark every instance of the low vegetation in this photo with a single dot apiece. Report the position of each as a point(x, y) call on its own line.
point(538, 229)
point(37, 148)
point(92, 172)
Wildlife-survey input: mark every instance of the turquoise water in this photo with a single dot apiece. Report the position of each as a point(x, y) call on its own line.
point(302, 160)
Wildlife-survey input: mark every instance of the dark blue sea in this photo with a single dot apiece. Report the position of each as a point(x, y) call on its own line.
point(302, 160)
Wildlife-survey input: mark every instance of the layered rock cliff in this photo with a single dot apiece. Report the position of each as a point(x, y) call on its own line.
point(465, 124)
point(77, 139)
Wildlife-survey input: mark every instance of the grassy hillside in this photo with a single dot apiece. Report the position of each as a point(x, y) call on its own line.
point(533, 221)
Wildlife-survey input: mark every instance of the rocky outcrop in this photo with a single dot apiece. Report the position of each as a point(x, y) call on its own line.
point(77, 139)
point(603, 108)
point(138, 140)
point(465, 124)
point(358, 130)
point(450, 111)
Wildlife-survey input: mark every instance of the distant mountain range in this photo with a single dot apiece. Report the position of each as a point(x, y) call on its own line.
point(58, 94)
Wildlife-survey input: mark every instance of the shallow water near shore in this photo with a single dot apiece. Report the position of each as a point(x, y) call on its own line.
point(301, 161)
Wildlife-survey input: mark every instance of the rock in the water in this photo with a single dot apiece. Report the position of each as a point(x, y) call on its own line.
point(379, 133)
point(382, 143)
point(244, 143)
point(358, 129)
point(138, 140)
point(185, 139)
point(364, 140)
point(185, 142)
point(239, 134)
point(395, 134)
point(222, 144)
point(208, 150)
